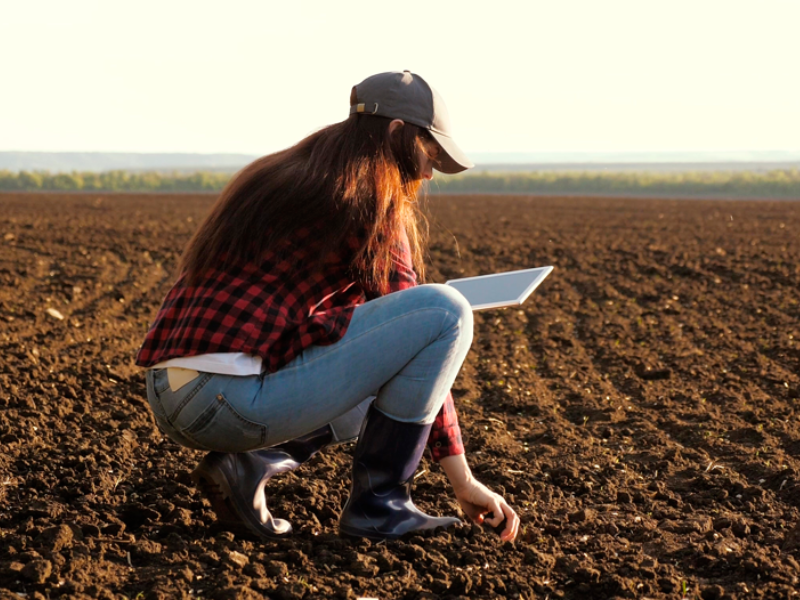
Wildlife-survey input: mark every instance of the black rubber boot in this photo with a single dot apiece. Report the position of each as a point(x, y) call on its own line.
point(386, 457)
point(234, 483)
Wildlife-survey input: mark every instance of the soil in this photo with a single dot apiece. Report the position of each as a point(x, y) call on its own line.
point(640, 411)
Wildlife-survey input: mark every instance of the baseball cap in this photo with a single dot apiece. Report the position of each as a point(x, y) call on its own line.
point(407, 96)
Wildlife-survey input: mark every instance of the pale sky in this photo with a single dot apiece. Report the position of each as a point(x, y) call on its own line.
point(256, 76)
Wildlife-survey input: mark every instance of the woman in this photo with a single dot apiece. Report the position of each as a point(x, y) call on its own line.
point(298, 303)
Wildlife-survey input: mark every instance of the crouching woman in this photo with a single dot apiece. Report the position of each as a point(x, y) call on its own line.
point(296, 322)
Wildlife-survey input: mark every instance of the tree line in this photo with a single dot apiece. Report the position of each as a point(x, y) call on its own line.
point(113, 181)
point(781, 183)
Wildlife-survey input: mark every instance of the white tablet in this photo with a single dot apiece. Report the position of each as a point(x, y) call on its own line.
point(500, 289)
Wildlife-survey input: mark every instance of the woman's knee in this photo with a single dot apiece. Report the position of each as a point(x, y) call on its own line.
point(448, 298)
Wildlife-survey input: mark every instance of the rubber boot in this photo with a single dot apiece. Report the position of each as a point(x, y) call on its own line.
point(235, 483)
point(386, 457)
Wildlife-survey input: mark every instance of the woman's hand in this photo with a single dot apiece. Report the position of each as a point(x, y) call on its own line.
point(477, 501)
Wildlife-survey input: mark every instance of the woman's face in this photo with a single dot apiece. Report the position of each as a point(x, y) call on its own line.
point(427, 153)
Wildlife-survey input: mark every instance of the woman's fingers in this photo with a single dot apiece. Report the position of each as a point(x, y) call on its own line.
point(498, 514)
point(512, 523)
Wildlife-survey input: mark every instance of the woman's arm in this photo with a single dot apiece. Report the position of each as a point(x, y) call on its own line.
point(477, 500)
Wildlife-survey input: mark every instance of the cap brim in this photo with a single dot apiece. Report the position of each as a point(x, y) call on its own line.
point(452, 160)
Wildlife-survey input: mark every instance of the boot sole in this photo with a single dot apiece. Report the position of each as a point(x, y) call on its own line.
point(357, 534)
point(354, 533)
point(219, 495)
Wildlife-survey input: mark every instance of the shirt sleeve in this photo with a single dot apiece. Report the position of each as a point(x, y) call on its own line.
point(445, 437)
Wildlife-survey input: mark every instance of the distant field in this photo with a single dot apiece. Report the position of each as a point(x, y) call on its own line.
point(773, 184)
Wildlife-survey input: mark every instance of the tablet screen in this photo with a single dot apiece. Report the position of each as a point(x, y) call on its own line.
point(500, 289)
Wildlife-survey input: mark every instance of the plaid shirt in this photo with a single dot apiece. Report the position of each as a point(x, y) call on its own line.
point(275, 310)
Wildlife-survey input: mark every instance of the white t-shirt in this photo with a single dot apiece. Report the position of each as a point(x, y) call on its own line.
point(223, 363)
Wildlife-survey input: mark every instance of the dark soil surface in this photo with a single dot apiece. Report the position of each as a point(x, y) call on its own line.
point(640, 411)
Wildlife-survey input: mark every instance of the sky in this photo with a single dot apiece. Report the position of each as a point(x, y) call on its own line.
point(532, 76)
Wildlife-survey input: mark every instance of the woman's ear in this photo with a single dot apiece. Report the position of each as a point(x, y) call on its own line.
point(395, 125)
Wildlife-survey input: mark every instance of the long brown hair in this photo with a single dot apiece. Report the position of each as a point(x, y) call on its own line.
point(353, 177)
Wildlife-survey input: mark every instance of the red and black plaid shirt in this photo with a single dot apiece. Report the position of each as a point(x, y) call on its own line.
point(275, 310)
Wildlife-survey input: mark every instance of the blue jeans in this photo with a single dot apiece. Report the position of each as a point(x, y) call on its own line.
point(406, 348)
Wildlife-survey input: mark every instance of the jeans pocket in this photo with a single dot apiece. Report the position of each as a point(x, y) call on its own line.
point(153, 394)
point(159, 379)
point(221, 428)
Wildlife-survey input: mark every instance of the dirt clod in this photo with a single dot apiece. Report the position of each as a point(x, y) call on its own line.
point(37, 571)
point(582, 516)
point(55, 538)
point(238, 559)
point(712, 592)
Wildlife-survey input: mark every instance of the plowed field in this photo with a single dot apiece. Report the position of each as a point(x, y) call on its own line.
point(640, 411)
